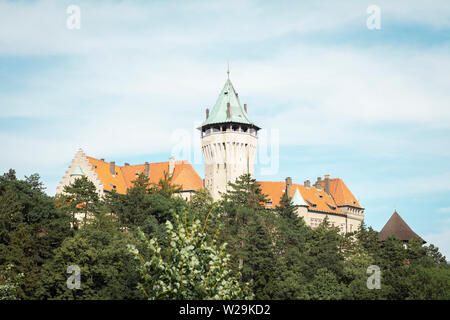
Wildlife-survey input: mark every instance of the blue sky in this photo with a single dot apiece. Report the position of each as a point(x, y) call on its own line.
point(369, 106)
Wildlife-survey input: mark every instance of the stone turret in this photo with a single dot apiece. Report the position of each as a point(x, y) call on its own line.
point(229, 142)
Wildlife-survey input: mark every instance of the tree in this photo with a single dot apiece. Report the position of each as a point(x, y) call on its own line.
point(30, 228)
point(245, 192)
point(191, 267)
point(166, 185)
point(201, 204)
point(325, 286)
point(79, 199)
point(9, 283)
point(107, 269)
point(291, 239)
point(249, 230)
point(429, 283)
point(144, 207)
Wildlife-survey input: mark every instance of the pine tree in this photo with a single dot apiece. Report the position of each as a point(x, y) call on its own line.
point(30, 229)
point(79, 199)
point(291, 239)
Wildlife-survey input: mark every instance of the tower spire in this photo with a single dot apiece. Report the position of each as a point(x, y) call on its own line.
point(228, 70)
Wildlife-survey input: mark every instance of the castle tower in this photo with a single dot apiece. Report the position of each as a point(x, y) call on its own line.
point(229, 141)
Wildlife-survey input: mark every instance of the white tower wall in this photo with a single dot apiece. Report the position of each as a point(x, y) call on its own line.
point(227, 155)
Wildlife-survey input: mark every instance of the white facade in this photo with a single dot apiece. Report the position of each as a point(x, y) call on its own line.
point(80, 162)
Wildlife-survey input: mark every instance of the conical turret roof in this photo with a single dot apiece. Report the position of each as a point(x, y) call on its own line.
point(297, 199)
point(397, 226)
point(219, 112)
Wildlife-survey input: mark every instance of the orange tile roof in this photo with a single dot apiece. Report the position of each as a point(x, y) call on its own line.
point(317, 200)
point(184, 174)
point(108, 180)
point(341, 193)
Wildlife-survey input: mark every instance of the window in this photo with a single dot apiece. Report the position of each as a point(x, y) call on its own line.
point(331, 206)
point(311, 204)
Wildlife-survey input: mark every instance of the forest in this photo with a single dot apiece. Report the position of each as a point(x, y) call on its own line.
point(151, 244)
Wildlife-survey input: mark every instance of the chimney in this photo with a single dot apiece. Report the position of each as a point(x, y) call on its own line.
point(326, 188)
point(288, 185)
point(112, 168)
point(245, 107)
point(307, 184)
point(207, 113)
point(318, 183)
point(102, 159)
point(171, 166)
point(147, 169)
point(228, 110)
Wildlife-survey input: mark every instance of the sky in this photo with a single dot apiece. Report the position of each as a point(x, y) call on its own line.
point(333, 96)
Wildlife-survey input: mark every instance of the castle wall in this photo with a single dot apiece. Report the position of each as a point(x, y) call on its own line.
point(345, 223)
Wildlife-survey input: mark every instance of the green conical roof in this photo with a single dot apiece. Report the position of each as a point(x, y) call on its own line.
point(219, 112)
point(77, 172)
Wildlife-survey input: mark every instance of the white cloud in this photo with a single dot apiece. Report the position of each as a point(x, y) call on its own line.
point(133, 74)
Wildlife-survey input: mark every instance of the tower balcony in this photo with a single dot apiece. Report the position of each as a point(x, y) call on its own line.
point(229, 128)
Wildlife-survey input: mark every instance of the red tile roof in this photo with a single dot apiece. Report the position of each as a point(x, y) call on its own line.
point(317, 199)
point(341, 193)
point(184, 174)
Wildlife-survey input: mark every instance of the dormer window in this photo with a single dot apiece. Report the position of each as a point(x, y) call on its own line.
point(331, 206)
point(311, 204)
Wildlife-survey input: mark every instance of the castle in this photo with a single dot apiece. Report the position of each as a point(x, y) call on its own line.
point(229, 145)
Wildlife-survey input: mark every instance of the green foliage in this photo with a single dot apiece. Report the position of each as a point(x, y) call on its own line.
point(249, 229)
point(108, 270)
point(144, 207)
point(191, 267)
point(239, 250)
point(245, 192)
point(9, 283)
point(166, 186)
point(79, 198)
point(30, 228)
point(429, 283)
